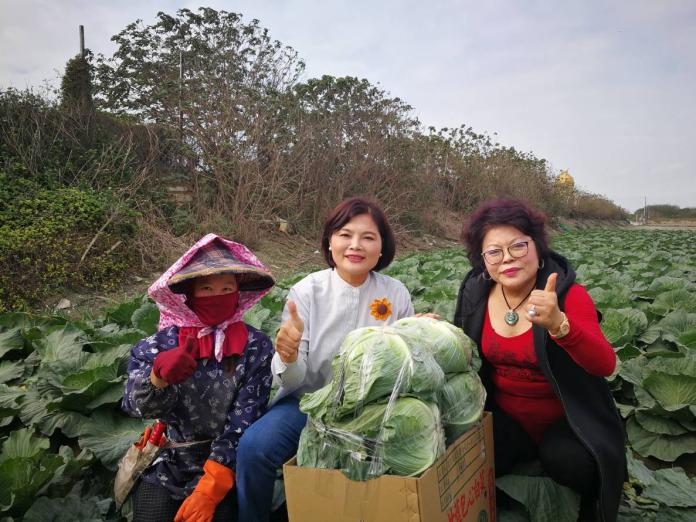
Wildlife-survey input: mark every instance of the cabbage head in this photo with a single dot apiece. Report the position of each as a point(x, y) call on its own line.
point(404, 438)
point(450, 347)
point(461, 403)
point(371, 363)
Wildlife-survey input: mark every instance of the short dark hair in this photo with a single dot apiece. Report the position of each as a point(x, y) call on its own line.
point(347, 210)
point(510, 212)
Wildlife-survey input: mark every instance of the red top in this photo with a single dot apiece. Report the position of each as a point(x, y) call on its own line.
point(521, 389)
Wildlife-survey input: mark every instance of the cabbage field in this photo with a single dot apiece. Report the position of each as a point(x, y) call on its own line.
point(61, 380)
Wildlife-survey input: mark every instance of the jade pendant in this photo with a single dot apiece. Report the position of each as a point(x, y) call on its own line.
point(511, 317)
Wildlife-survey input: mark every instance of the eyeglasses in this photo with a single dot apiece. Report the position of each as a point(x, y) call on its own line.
point(496, 255)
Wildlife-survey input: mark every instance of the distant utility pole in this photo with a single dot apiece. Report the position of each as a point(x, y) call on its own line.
point(82, 41)
point(645, 210)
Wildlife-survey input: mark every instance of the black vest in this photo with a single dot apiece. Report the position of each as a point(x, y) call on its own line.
point(586, 399)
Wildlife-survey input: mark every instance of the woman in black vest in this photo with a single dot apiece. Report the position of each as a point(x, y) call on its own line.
point(544, 356)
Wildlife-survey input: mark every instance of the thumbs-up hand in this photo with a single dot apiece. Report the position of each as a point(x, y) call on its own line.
point(287, 342)
point(177, 365)
point(542, 306)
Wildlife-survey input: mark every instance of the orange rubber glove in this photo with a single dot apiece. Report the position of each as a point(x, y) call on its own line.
point(200, 505)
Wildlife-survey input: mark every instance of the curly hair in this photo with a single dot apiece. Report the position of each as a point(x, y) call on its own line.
point(503, 212)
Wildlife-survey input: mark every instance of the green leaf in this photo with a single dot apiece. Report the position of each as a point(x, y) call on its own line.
point(672, 487)
point(671, 300)
point(663, 447)
point(119, 354)
point(684, 364)
point(81, 381)
point(677, 322)
point(516, 513)
point(544, 499)
point(625, 409)
point(33, 408)
point(662, 348)
point(673, 392)
point(10, 399)
point(675, 515)
point(123, 312)
point(22, 478)
point(10, 370)
point(623, 325)
point(146, 318)
point(615, 297)
point(628, 352)
point(664, 284)
point(256, 316)
point(22, 444)
point(114, 335)
point(660, 425)
point(632, 370)
point(688, 338)
point(637, 471)
point(108, 436)
point(11, 340)
point(60, 345)
point(111, 395)
point(72, 508)
point(70, 423)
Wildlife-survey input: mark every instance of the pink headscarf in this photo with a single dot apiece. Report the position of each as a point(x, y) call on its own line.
point(173, 308)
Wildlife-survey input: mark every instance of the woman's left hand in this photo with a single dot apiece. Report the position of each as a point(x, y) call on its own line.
point(544, 303)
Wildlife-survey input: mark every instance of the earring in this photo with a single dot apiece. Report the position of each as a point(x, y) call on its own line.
point(380, 254)
point(541, 266)
point(329, 249)
point(484, 274)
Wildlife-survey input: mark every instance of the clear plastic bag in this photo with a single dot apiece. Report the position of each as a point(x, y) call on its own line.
point(389, 403)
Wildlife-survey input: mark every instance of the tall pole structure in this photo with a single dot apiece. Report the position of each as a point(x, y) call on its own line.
point(645, 210)
point(82, 41)
point(181, 82)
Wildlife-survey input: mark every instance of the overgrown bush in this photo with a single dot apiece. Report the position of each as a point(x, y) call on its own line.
point(52, 238)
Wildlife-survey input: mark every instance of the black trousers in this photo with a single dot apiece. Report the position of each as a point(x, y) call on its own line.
point(152, 503)
point(562, 455)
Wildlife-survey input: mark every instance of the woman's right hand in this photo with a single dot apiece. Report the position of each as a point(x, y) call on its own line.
point(174, 366)
point(287, 342)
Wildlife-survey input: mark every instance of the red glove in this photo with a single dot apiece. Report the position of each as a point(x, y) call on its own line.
point(201, 504)
point(177, 365)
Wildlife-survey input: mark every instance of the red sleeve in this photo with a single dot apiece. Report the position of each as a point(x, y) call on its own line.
point(585, 342)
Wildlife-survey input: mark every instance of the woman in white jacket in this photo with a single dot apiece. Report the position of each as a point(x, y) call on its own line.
point(321, 309)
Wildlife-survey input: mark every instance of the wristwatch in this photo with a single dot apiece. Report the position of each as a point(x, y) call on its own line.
point(563, 329)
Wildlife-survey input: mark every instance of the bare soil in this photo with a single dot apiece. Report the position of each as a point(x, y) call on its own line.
point(284, 254)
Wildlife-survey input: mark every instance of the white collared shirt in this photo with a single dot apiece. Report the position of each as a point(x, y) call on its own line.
point(330, 308)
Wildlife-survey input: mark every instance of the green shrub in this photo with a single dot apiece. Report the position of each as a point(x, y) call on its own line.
point(44, 233)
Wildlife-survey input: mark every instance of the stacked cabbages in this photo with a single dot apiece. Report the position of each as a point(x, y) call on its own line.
point(398, 395)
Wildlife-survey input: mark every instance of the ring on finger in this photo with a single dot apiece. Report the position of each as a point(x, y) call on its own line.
point(532, 311)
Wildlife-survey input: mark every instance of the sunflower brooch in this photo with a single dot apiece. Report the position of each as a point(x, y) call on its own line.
point(380, 309)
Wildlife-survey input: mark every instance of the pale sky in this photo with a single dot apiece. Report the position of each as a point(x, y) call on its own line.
point(603, 89)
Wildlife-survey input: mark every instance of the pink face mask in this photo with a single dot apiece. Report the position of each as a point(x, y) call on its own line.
point(215, 309)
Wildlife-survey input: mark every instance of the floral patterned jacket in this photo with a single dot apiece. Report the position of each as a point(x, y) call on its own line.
point(212, 406)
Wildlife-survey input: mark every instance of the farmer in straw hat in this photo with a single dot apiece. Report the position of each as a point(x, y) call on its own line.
point(206, 374)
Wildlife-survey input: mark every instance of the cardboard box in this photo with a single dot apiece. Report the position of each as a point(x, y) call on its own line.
point(459, 487)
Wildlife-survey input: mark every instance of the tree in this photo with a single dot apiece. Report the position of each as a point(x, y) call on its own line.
point(223, 59)
point(229, 105)
point(354, 139)
point(76, 85)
